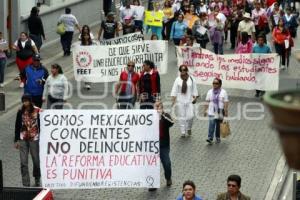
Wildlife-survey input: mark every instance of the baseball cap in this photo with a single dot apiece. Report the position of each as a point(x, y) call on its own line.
point(36, 57)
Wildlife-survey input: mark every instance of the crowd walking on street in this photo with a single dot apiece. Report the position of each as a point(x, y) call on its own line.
point(250, 27)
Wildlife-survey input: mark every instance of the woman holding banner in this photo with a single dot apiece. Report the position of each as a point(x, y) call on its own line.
point(184, 93)
point(157, 21)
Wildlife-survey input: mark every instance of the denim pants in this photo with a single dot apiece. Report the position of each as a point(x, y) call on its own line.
point(33, 148)
point(213, 127)
point(218, 48)
point(126, 101)
point(66, 41)
point(2, 69)
point(157, 31)
point(37, 40)
point(139, 24)
point(280, 49)
point(165, 161)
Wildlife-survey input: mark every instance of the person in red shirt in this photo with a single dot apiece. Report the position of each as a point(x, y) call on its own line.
point(149, 85)
point(282, 42)
point(126, 89)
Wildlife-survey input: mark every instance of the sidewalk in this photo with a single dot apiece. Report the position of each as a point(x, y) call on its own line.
point(51, 54)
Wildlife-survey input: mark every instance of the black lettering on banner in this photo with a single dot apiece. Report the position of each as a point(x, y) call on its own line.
point(112, 51)
point(65, 147)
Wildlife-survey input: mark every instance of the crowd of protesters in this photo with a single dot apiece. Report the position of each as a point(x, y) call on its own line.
point(196, 23)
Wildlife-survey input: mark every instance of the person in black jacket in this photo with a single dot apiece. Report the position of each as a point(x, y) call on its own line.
point(165, 123)
point(27, 130)
point(36, 28)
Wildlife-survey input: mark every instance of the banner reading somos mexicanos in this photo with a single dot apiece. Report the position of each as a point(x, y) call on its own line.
point(105, 63)
point(99, 148)
point(241, 71)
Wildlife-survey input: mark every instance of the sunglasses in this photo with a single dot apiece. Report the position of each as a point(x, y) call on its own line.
point(214, 83)
point(130, 65)
point(231, 185)
point(183, 70)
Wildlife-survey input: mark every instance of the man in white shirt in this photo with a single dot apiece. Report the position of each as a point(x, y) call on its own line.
point(69, 21)
point(246, 25)
point(127, 11)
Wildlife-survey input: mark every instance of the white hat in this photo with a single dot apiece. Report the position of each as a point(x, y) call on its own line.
point(247, 15)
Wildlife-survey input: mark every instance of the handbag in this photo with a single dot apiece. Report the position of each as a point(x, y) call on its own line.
point(60, 29)
point(224, 129)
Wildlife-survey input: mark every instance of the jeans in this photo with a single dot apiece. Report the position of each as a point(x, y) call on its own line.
point(218, 48)
point(2, 69)
point(157, 31)
point(126, 101)
point(214, 127)
point(280, 49)
point(37, 100)
point(139, 24)
point(176, 41)
point(33, 148)
point(37, 40)
point(53, 103)
point(165, 161)
point(66, 41)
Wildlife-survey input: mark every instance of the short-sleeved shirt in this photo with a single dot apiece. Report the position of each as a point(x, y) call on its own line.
point(69, 21)
point(261, 49)
point(248, 27)
point(109, 29)
point(223, 97)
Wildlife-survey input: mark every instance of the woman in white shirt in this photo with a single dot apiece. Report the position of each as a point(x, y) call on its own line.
point(56, 88)
point(184, 93)
point(216, 109)
point(138, 14)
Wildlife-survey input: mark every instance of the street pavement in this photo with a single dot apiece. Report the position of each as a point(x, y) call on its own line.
point(252, 151)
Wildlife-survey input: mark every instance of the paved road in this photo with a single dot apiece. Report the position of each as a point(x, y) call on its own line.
point(252, 150)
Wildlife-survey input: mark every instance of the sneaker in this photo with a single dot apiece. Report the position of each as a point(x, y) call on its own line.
point(282, 67)
point(209, 141)
point(21, 85)
point(169, 183)
point(183, 135)
point(1, 85)
point(152, 189)
point(218, 140)
point(189, 132)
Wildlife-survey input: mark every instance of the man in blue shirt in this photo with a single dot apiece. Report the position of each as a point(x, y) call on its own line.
point(261, 47)
point(35, 76)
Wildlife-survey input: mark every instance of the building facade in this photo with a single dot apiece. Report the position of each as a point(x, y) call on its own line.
point(16, 12)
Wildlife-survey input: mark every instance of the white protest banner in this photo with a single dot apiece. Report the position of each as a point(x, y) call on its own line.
point(99, 149)
point(124, 39)
point(105, 63)
point(240, 71)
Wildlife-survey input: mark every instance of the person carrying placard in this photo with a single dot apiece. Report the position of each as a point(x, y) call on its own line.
point(126, 89)
point(165, 122)
point(27, 139)
point(261, 47)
